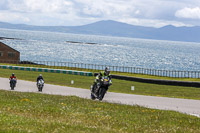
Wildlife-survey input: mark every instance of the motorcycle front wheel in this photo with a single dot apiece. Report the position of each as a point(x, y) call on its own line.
point(92, 97)
point(12, 86)
point(39, 88)
point(102, 92)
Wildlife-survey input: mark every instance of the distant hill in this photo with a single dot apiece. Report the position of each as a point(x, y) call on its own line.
point(114, 28)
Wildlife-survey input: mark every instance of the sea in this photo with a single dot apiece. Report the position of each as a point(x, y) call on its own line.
point(104, 50)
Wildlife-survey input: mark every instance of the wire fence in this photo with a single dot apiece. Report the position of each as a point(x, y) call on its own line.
point(134, 70)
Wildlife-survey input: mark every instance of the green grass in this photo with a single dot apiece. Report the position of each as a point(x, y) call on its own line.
point(37, 113)
point(120, 86)
point(114, 73)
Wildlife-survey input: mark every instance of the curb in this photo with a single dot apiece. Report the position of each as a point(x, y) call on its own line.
point(82, 73)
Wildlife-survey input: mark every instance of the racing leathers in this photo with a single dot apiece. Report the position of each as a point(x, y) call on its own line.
point(98, 79)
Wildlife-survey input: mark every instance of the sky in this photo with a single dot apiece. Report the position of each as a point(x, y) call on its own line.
point(150, 13)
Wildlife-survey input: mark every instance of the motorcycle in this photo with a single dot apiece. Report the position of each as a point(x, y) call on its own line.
point(40, 85)
point(13, 83)
point(101, 88)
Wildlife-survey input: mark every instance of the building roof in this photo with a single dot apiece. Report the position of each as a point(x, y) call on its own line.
point(9, 47)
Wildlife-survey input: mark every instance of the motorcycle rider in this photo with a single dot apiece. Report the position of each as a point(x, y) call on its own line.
point(101, 74)
point(13, 77)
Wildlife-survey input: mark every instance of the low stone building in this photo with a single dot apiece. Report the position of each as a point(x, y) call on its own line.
point(8, 54)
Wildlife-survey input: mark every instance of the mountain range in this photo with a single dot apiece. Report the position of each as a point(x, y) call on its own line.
point(114, 28)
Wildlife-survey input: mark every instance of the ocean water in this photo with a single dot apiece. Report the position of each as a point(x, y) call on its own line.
point(115, 51)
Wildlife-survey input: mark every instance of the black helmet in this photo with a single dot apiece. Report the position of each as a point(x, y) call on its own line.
point(107, 71)
point(13, 74)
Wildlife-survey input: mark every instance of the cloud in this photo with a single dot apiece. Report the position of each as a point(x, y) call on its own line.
point(152, 22)
point(68, 12)
point(12, 17)
point(105, 8)
point(39, 6)
point(38, 12)
point(190, 13)
point(79, 12)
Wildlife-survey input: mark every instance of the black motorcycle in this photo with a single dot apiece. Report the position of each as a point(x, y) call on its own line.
point(101, 88)
point(40, 85)
point(13, 83)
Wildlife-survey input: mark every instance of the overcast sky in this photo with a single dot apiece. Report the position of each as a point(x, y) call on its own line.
point(154, 13)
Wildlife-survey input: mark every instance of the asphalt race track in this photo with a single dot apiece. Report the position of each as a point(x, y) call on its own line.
point(187, 106)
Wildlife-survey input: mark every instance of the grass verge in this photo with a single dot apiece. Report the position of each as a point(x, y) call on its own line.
point(120, 86)
point(33, 112)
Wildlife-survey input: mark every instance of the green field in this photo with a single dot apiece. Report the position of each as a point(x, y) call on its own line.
point(120, 86)
point(35, 112)
point(38, 113)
